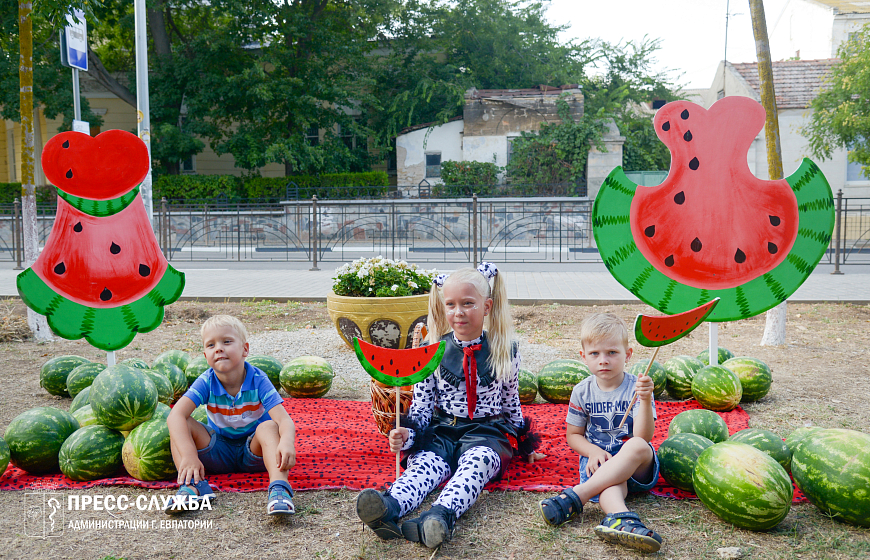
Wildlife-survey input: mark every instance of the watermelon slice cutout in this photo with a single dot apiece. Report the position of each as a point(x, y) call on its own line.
point(399, 368)
point(712, 229)
point(652, 331)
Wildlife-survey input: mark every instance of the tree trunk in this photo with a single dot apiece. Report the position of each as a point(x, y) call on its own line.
point(37, 322)
point(99, 72)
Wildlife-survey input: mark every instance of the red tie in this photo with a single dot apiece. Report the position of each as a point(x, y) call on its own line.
point(469, 366)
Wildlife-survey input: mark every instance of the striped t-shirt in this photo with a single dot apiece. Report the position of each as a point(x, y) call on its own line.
point(235, 416)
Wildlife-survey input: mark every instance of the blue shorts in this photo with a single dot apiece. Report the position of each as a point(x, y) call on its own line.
point(224, 455)
point(633, 485)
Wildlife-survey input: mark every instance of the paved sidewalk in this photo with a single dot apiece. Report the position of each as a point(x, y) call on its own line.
point(570, 284)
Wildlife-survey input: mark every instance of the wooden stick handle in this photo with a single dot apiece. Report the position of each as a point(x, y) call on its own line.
point(634, 398)
point(415, 343)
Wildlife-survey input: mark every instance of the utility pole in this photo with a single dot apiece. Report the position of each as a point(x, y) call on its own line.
point(143, 116)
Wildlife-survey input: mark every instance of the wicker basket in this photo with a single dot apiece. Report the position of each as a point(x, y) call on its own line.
point(384, 396)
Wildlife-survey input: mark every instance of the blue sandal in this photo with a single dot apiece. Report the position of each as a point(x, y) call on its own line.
point(280, 499)
point(626, 528)
point(560, 509)
point(187, 495)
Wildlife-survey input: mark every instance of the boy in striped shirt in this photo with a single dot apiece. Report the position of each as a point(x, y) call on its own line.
point(248, 428)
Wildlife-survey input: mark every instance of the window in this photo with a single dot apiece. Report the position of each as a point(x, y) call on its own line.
point(188, 166)
point(720, 94)
point(658, 103)
point(855, 171)
point(312, 136)
point(433, 165)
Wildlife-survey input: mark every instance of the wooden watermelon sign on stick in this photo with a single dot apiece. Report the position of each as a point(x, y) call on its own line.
point(655, 332)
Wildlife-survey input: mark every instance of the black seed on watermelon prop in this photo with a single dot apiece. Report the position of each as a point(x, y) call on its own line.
point(66, 144)
point(687, 136)
point(669, 261)
point(144, 270)
point(114, 249)
point(685, 114)
point(666, 126)
point(680, 197)
point(650, 231)
point(694, 164)
point(60, 268)
point(105, 295)
point(69, 174)
point(739, 256)
point(771, 248)
point(696, 245)
point(774, 220)
point(77, 228)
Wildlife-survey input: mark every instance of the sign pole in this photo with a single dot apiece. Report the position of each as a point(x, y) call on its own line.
point(77, 101)
point(74, 53)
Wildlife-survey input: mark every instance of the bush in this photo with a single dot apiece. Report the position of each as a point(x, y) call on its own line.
point(380, 277)
point(462, 178)
point(328, 185)
point(45, 194)
point(175, 187)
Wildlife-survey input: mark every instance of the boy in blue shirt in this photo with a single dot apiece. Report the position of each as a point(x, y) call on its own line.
point(613, 461)
point(248, 428)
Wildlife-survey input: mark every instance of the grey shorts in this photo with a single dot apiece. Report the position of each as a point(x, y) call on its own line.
point(633, 484)
point(224, 455)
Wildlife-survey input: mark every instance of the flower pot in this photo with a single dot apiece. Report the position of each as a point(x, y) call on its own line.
point(383, 321)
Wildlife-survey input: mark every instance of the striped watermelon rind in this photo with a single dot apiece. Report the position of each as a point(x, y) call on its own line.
point(724, 355)
point(657, 372)
point(767, 442)
point(528, 387)
point(123, 397)
point(195, 368)
point(307, 377)
point(165, 391)
point(35, 437)
point(743, 486)
point(162, 411)
point(798, 435)
point(677, 457)
point(82, 399)
point(717, 388)
point(270, 366)
point(175, 375)
point(146, 453)
point(85, 416)
point(82, 376)
point(399, 367)
point(178, 357)
point(680, 371)
point(557, 379)
point(702, 422)
point(91, 452)
point(4, 456)
point(755, 377)
point(54, 373)
point(200, 414)
point(136, 363)
point(832, 469)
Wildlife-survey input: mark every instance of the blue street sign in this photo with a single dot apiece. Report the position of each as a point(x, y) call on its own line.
point(74, 42)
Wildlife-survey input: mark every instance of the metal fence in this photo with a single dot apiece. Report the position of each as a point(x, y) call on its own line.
point(461, 230)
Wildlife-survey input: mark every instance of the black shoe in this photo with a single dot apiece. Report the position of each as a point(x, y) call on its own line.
point(380, 512)
point(432, 528)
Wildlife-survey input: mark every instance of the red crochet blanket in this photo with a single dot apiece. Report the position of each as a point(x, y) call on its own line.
point(338, 446)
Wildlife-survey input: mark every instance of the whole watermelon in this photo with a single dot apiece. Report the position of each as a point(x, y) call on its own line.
point(798, 435)
point(200, 414)
point(53, 373)
point(657, 372)
point(136, 363)
point(832, 469)
point(681, 371)
point(755, 377)
point(35, 437)
point(80, 400)
point(557, 379)
point(702, 422)
point(270, 366)
point(4, 456)
point(724, 355)
point(162, 411)
point(146, 453)
point(307, 377)
point(123, 397)
point(164, 388)
point(85, 416)
point(766, 441)
point(195, 368)
point(179, 358)
point(176, 378)
point(743, 486)
point(528, 388)
point(717, 388)
point(82, 376)
point(677, 457)
point(91, 452)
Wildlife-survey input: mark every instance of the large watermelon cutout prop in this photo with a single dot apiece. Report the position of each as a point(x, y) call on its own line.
point(101, 275)
point(713, 229)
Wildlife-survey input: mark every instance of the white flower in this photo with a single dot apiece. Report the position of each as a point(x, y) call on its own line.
point(412, 284)
point(395, 287)
point(463, 69)
point(363, 272)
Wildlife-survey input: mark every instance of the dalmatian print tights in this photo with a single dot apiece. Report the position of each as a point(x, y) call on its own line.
point(426, 471)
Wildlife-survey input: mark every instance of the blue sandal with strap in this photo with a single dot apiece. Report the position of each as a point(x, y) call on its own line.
point(626, 528)
point(560, 509)
point(187, 495)
point(280, 499)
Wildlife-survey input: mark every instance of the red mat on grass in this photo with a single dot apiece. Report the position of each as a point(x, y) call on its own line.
point(338, 446)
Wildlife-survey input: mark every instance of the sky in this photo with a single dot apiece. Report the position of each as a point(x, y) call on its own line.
point(692, 31)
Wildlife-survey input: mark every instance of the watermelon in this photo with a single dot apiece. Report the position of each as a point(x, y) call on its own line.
point(165, 392)
point(743, 486)
point(723, 353)
point(136, 363)
point(146, 453)
point(653, 331)
point(195, 368)
point(767, 236)
point(702, 422)
point(85, 416)
point(162, 411)
point(4, 456)
point(557, 379)
point(123, 397)
point(677, 457)
point(179, 358)
point(81, 399)
point(680, 371)
point(528, 387)
point(717, 388)
point(35, 437)
point(200, 414)
point(794, 438)
point(397, 367)
point(307, 377)
point(54, 373)
point(657, 372)
point(270, 366)
point(176, 378)
point(766, 441)
point(82, 376)
point(91, 452)
point(755, 377)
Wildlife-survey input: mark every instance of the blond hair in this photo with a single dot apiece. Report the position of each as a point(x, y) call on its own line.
point(498, 324)
point(601, 326)
point(225, 321)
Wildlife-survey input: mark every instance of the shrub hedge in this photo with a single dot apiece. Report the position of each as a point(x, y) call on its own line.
point(10, 191)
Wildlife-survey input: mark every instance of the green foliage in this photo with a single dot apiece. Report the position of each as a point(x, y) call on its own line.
point(642, 151)
point(170, 146)
point(380, 277)
point(841, 112)
point(481, 175)
point(10, 191)
point(175, 187)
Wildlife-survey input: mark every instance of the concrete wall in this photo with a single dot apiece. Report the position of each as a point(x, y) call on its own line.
point(411, 150)
point(600, 164)
point(506, 115)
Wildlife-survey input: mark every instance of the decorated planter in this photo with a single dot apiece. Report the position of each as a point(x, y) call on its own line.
point(383, 321)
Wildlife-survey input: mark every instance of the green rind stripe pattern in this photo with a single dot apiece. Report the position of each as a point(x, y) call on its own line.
point(146, 453)
point(100, 208)
point(36, 436)
point(123, 397)
point(110, 328)
point(630, 268)
point(702, 422)
point(393, 381)
point(92, 452)
point(668, 323)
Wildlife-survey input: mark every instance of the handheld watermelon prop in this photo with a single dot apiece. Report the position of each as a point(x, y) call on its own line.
point(399, 368)
point(101, 275)
point(655, 332)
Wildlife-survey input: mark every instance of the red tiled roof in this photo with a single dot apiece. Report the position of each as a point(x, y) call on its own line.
point(796, 82)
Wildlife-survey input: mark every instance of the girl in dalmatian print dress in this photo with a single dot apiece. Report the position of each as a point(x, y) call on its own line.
point(465, 423)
